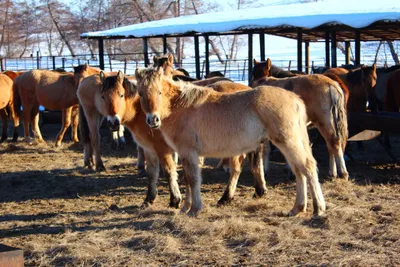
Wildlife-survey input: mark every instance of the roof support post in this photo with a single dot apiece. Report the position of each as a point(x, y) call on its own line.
point(262, 46)
point(333, 49)
point(101, 54)
point(197, 55)
point(299, 51)
point(307, 54)
point(347, 52)
point(250, 56)
point(327, 52)
point(358, 47)
point(146, 53)
point(207, 53)
point(164, 42)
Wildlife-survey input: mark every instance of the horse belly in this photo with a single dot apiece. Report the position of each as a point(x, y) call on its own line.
point(234, 138)
point(55, 100)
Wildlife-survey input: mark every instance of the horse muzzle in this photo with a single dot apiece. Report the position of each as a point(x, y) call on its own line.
point(153, 120)
point(113, 123)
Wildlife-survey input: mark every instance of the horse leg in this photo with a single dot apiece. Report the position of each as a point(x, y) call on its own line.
point(94, 122)
point(35, 124)
point(188, 195)
point(224, 163)
point(169, 167)
point(140, 163)
point(4, 121)
point(190, 164)
point(153, 171)
point(297, 152)
point(114, 142)
point(26, 113)
point(266, 155)
point(235, 164)
point(337, 165)
point(75, 123)
point(66, 122)
point(257, 168)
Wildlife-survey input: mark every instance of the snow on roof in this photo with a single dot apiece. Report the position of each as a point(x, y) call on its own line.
point(356, 14)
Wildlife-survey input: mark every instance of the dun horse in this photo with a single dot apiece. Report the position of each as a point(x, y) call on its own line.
point(197, 121)
point(116, 99)
point(54, 91)
point(325, 103)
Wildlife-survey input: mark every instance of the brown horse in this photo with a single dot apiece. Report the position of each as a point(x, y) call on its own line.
point(166, 62)
point(54, 91)
point(198, 121)
point(360, 83)
point(6, 102)
point(392, 96)
point(8, 93)
point(325, 103)
point(116, 99)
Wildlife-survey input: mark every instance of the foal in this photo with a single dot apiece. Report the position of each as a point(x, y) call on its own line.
point(197, 121)
point(325, 104)
point(116, 99)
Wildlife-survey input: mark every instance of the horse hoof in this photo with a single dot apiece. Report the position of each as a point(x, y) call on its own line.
point(224, 201)
point(142, 173)
point(193, 212)
point(174, 202)
point(58, 144)
point(259, 192)
point(145, 205)
point(101, 168)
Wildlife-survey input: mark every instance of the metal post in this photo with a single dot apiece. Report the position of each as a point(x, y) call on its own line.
point(333, 49)
point(327, 52)
point(299, 51)
point(164, 41)
point(146, 53)
point(37, 60)
point(347, 52)
point(250, 57)
point(101, 54)
point(207, 54)
point(54, 62)
point(307, 51)
point(358, 47)
point(63, 62)
point(262, 46)
point(197, 56)
point(3, 64)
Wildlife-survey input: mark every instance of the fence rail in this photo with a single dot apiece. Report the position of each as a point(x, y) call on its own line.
point(237, 70)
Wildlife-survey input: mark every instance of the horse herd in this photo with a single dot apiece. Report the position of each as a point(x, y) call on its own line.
point(167, 111)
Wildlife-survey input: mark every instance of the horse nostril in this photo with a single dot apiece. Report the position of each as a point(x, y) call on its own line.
point(148, 121)
point(156, 119)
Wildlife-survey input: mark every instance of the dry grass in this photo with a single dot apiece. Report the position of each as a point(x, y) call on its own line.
point(63, 215)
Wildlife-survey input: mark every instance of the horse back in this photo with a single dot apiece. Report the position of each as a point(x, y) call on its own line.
point(6, 89)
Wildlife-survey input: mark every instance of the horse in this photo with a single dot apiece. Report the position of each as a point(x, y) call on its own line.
point(214, 74)
point(381, 84)
point(166, 62)
point(54, 91)
point(392, 96)
point(198, 121)
point(6, 102)
point(325, 103)
point(360, 83)
point(116, 99)
point(9, 93)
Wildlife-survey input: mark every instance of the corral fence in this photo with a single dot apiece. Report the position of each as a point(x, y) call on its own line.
point(235, 69)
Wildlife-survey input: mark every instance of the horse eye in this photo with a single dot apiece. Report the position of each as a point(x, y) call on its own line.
point(121, 96)
point(102, 96)
point(159, 92)
point(140, 94)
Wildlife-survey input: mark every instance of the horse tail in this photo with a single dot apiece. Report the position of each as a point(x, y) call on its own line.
point(339, 113)
point(16, 101)
point(345, 89)
point(83, 126)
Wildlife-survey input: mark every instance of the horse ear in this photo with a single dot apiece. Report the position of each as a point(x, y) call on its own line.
point(102, 76)
point(155, 58)
point(268, 64)
point(86, 66)
point(120, 77)
point(170, 59)
point(255, 62)
point(374, 67)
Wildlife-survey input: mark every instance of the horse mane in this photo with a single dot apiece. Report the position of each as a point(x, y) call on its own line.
point(341, 84)
point(387, 70)
point(191, 95)
point(183, 78)
point(111, 81)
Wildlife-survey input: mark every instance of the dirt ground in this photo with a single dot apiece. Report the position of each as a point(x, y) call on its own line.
point(63, 215)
